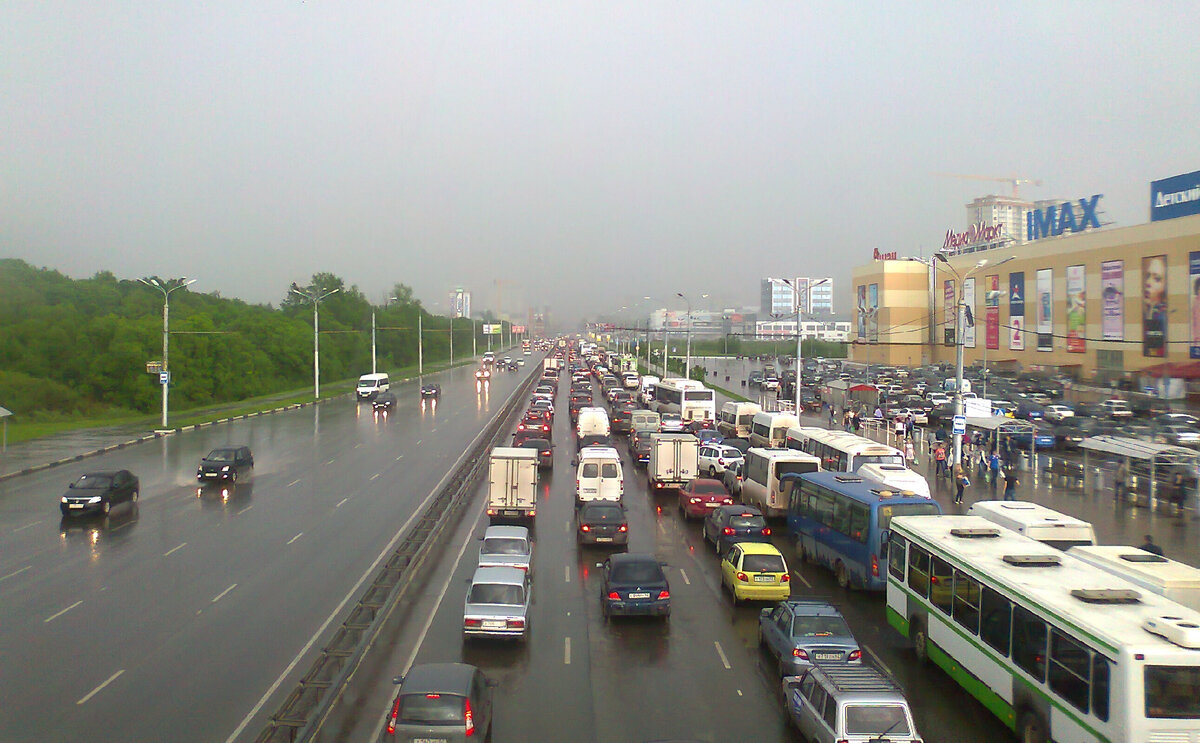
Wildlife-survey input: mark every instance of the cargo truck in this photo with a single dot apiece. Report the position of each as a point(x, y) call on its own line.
point(674, 460)
point(512, 485)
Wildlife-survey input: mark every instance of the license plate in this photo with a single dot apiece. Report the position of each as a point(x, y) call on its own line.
point(604, 539)
point(639, 595)
point(429, 740)
point(512, 512)
point(764, 579)
point(494, 624)
point(74, 505)
point(827, 656)
point(712, 504)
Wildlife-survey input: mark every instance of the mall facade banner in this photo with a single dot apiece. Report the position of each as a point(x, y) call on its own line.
point(1016, 311)
point(873, 318)
point(991, 300)
point(1076, 309)
point(862, 311)
point(1194, 302)
point(1045, 309)
point(969, 300)
point(1177, 196)
point(949, 320)
point(1154, 306)
point(1112, 300)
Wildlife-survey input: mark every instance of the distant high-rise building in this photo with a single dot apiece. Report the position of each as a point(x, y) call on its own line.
point(460, 302)
point(778, 296)
point(819, 294)
point(994, 210)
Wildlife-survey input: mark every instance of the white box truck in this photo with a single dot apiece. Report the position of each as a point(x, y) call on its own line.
point(512, 485)
point(674, 460)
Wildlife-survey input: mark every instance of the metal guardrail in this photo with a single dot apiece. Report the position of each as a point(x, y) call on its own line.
point(304, 710)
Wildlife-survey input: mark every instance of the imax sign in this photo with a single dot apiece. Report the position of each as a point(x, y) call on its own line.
point(1055, 220)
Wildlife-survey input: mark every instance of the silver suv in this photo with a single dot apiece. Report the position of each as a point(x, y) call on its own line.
point(855, 704)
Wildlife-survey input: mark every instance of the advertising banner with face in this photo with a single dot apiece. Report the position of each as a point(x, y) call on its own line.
point(969, 300)
point(1154, 306)
point(1112, 300)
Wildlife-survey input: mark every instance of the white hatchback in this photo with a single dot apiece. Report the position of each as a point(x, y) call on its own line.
point(714, 459)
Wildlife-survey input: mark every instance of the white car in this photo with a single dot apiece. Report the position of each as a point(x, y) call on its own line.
point(770, 383)
point(1057, 413)
point(714, 459)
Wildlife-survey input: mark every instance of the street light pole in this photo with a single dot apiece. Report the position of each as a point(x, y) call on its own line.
point(311, 294)
point(687, 364)
point(166, 286)
point(800, 337)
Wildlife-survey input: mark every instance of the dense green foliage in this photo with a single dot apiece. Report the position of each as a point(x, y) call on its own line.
point(79, 347)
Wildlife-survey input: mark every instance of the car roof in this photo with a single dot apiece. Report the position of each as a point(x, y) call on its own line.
point(103, 473)
point(812, 607)
point(630, 558)
point(506, 576)
point(514, 532)
point(759, 548)
point(443, 678)
point(738, 508)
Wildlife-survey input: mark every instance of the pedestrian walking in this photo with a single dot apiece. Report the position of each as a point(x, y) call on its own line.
point(832, 416)
point(910, 453)
point(1121, 484)
point(1010, 484)
point(1177, 491)
point(898, 427)
point(939, 459)
point(909, 422)
point(994, 466)
point(1150, 546)
point(961, 481)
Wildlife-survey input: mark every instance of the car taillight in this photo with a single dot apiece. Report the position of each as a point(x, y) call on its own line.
point(742, 577)
point(613, 595)
point(516, 624)
point(854, 655)
point(468, 717)
point(663, 595)
point(801, 654)
point(728, 501)
point(391, 726)
point(491, 512)
point(720, 461)
point(623, 528)
point(546, 453)
point(584, 527)
point(766, 532)
point(658, 484)
point(472, 622)
point(727, 531)
point(874, 566)
point(785, 578)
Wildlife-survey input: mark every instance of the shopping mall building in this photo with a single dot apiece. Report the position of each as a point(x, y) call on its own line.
point(1069, 294)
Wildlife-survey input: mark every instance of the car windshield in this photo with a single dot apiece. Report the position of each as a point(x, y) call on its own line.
point(496, 593)
point(823, 626)
point(430, 709)
point(220, 455)
point(873, 719)
point(602, 512)
point(763, 564)
point(637, 572)
point(505, 546)
point(747, 522)
point(94, 481)
point(886, 513)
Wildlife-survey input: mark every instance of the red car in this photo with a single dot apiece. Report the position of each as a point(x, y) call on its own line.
point(699, 497)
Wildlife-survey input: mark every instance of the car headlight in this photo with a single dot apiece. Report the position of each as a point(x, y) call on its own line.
point(225, 468)
point(95, 499)
point(63, 499)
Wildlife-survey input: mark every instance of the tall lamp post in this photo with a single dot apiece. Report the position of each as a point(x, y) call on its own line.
point(800, 336)
point(166, 286)
point(314, 295)
point(960, 320)
point(385, 304)
point(687, 364)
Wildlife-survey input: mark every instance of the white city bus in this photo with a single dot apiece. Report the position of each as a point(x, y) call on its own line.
point(1056, 648)
point(687, 398)
point(1050, 527)
point(734, 419)
point(840, 451)
point(769, 430)
point(1177, 581)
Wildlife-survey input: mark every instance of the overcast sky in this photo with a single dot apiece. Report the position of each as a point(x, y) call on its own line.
point(582, 154)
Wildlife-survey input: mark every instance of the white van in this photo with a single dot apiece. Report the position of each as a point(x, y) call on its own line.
point(370, 385)
point(644, 420)
point(1173, 580)
point(734, 419)
point(761, 471)
point(592, 422)
point(769, 430)
point(646, 389)
point(1035, 521)
point(897, 477)
point(598, 475)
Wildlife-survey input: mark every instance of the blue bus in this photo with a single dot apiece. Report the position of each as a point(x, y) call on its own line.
point(840, 520)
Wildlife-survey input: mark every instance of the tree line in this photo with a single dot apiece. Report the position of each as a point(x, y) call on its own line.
point(72, 347)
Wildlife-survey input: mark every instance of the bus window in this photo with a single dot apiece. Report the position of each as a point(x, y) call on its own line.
point(966, 601)
point(906, 509)
point(822, 508)
point(1029, 643)
point(996, 620)
point(841, 516)
point(1100, 687)
point(897, 556)
point(918, 570)
point(1070, 669)
point(941, 585)
point(860, 522)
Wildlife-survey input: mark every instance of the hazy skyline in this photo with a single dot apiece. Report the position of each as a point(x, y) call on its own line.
point(583, 155)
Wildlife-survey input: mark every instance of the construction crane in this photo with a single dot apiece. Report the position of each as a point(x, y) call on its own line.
point(1013, 180)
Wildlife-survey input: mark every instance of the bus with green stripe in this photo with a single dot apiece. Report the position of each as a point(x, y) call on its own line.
point(1058, 649)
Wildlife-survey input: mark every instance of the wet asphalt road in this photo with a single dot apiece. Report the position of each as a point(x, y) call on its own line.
point(698, 675)
point(174, 618)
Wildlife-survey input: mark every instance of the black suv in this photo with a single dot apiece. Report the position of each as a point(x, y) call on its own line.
point(225, 464)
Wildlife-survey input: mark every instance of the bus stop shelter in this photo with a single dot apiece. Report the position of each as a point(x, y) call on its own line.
point(999, 431)
point(1157, 464)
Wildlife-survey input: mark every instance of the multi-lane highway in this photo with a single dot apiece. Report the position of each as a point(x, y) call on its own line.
point(188, 617)
point(699, 675)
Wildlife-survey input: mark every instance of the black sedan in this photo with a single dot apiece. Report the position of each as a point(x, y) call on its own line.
point(431, 391)
point(228, 463)
point(544, 449)
point(635, 584)
point(384, 402)
point(601, 523)
point(728, 525)
point(98, 492)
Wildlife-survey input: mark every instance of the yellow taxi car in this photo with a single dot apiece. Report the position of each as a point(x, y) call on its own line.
point(754, 571)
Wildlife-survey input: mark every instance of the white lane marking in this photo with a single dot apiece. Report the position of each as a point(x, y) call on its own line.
point(683, 575)
point(399, 457)
point(800, 578)
point(739, 691)
point(879, 661)
point(22, 528)
point(418, 441)
point(568, 525)
point(173, 550)
point(661, 527)
point(99, 688)
point(343, 500)
point(376, 475)
point(293, 482)
point(16, 573)
point(221, 595)
point(567, 572)
point(358, 445)
point(247, 508)
point(330, 461)
point(567, 651)
point(724, 660)
point(295, 537)
point(56, 615)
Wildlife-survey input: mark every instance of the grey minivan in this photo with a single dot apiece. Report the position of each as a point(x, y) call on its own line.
point(848, 704)
point(440, 701)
